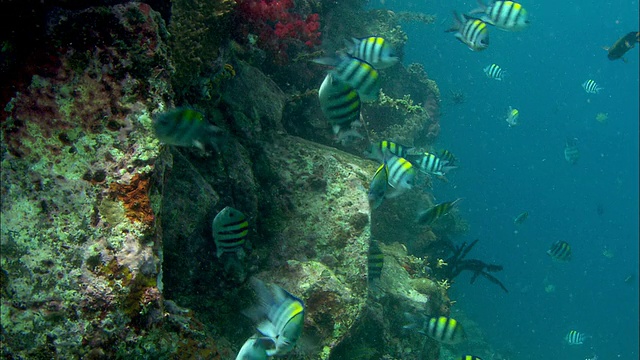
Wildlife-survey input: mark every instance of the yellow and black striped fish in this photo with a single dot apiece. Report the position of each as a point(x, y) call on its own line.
point(575, 338)
point(378, 187)
point(443, 329)
point(560, 251)
point(435, 212)
point(374, 50)
point(360, 75)
point(230, 227)
point(505, 15)
point(448, 156)
point(384, 149)
point(591, 87)
point(375, 261)
point(469, 357)
point(495, 72)
point(430, 164)
point(339, 102)
point(401, 174)
point(470, 31)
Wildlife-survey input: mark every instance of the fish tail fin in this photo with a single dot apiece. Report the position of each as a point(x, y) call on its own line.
point(480, 9)
point(457, 22)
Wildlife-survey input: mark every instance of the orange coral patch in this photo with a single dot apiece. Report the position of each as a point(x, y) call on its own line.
point(135, 198)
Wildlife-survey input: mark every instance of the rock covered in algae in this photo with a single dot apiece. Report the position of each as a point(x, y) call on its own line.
point(81, 184)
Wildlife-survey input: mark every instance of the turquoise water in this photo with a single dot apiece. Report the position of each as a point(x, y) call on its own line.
point(504, 171)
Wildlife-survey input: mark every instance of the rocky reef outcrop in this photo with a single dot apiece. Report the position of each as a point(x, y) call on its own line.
point(106, 240)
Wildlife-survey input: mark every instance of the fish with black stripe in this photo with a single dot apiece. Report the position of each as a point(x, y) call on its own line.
point(374, 50)
point(339, 102)
point(375, 261)
point(357, 73)
point(230, 228)
point(385, 148)
point(378, 187)
point(470, 31)
point(437, 211)
point(512, 116)
point(185, 127)
point(591, 87)
point(401, 175)
point(443, 329)
point(448, 156)
point(469, 357)
point(505, 15)
point(430, 164)
point(279, 314)
point(495, 72)
point(574, 337)
point(560, 251)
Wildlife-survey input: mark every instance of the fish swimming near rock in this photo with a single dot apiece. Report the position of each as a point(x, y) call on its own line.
point(505, 15)
point(185, 127)
point(521, 218)
point(430, 164)
point(622, 45)
point(378, 187)
point(255, 348)
point(470, 31)
point(447, 156)
point(401, 175)
point(280, 316)
point(495, 72)
point(437, 211)
point(571, 152)
point(512, 116)
point(375, 261)
point(385, 148)
point(230, 228)
point(443, 329)
point(357, 73)
point(373, 49)
point(339, 102)
point(574, 337)
point(560, 251)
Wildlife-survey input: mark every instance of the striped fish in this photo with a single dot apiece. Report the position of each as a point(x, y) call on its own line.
point(280, 316)
point(447, 156)
point(401, 174)
point(430, 164)
point(560, 251)
point(375, 261)
point(469, 357)
point(443, 329)
point(505, 15)
point(512, 116)
point(339, 102)
point(591, 87)
point(575, 338)
point(360, 75)
point(378, 187)
point(230, 227)
point(185, 127)
point(571, 152)
point(374, 50)
point(435, 212)
point(470, 31)
point(383, 149)
point(495, 72)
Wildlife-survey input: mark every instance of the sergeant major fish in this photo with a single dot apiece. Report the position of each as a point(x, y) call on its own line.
point(430, 164)
point(230, 227)
point(443, 329)
point(591, 87)
point(560, 251)
point(385, 148)
point(378, 187)
point(574, 337)
point(495, 72)
point(185, 127)
point(512, 117)
point(374, 50)
point(505, 15)
point(375, 261)
point(470, 31)
point(357, 73)
point(280, 316)
point(339, 102)
point(435, 212)
point(401, 174)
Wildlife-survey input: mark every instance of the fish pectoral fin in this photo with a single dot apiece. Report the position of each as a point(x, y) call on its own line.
point(266, 328)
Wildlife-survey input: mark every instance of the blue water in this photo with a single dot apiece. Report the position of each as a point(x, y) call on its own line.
point(504, 171)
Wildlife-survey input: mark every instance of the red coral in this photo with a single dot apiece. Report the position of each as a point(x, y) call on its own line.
point(277, 27)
